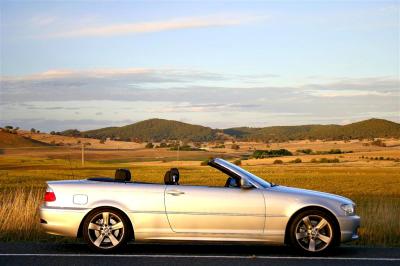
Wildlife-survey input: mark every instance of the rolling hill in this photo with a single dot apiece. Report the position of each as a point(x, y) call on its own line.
point(8, 140)
point(364, 129)
point(161, 129)
point(155, 130)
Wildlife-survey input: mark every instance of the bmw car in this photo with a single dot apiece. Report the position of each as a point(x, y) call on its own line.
point(109, 212)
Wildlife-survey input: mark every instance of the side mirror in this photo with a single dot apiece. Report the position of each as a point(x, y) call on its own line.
point(245, 184)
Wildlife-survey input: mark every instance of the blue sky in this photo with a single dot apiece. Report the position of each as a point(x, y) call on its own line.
point(88, 64)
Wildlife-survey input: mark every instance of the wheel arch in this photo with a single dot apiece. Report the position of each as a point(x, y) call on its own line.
point(130, 225)
point(309, 208)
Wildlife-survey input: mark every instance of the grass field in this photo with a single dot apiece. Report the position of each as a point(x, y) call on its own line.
point(375, 189)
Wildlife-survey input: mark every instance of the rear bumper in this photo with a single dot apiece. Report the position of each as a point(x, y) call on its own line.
point(349, 228)
point(61, 221)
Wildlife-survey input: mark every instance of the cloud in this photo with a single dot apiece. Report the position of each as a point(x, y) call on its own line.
point(208, 98)
point(348, 93)
point(179, 85)
point(157, 26)
point(134, 74)
point(364, 84)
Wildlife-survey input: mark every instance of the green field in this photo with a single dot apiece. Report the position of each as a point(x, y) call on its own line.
point(376, 190)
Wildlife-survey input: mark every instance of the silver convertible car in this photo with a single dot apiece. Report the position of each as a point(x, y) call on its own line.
point(108, 212)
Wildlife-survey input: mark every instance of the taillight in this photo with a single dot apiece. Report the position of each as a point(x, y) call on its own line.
point(49, 196)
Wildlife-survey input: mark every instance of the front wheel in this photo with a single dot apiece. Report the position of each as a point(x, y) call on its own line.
point(105, 230)
point(313, 232)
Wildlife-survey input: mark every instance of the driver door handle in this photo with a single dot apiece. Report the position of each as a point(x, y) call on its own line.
point(175, 192)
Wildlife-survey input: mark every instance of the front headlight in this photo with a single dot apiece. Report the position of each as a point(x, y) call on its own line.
point(349, 209)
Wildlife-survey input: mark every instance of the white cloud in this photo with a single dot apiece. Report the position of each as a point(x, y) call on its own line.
point(347, 93)
point(156, 26)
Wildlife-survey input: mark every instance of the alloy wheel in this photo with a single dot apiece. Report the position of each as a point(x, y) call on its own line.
point(106, 230)
point(313, 233)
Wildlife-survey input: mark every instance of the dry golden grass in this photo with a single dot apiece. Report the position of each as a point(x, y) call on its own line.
point(18, 214)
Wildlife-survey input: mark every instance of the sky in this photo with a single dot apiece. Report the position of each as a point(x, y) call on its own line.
point(91, 64)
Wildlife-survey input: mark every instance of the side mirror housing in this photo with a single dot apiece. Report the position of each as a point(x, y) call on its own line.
point(245, 184)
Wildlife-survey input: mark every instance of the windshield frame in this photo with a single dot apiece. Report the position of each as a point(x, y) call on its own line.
point(252, 178)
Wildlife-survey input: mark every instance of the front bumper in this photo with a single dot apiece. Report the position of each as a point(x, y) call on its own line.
point(349, 227)
point(61, 221)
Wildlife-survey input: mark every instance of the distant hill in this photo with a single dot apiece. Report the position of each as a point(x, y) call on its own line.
point(365, 129)
point(155, 130)
point(8, 140)
point(160, 129)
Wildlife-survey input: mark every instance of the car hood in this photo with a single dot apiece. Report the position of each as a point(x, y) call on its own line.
point(311, 194)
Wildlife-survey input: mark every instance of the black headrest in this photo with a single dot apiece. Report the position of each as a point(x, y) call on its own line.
point(123, 175)
point(171, 177)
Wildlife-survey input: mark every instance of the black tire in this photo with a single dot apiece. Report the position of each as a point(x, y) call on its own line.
point(106, 237)
point(313, 232)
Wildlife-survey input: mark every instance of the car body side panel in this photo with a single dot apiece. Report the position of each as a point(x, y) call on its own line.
point(215, 210)
point(283, 202)
point(62, 221)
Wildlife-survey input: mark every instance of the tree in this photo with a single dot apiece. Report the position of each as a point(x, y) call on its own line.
point(163, 145)
point(8, 127)
point(235, 146)
point(237, 162)
point(33, 130)
point(149, 145)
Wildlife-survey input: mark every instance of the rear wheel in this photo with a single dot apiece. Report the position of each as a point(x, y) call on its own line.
point(106, 230)
point(313, 232)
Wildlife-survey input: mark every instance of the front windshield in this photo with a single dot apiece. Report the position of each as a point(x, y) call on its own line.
point(251, 176)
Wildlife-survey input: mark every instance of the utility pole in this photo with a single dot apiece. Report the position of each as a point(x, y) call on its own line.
point(83, 154)
point(177, 153)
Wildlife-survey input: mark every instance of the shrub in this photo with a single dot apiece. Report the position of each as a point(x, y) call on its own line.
point(278, 162)
point(297, 160)
point(149, 145)
point(234, 146)
point(259, 154)
point(222, 146)
point(204, 163)
point(335, 151)
point(325, 160)
point(163, 145)
point(306, 151)
point(237, 162)
point(378, 143)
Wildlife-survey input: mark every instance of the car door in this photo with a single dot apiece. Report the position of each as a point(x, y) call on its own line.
point(215, 210)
